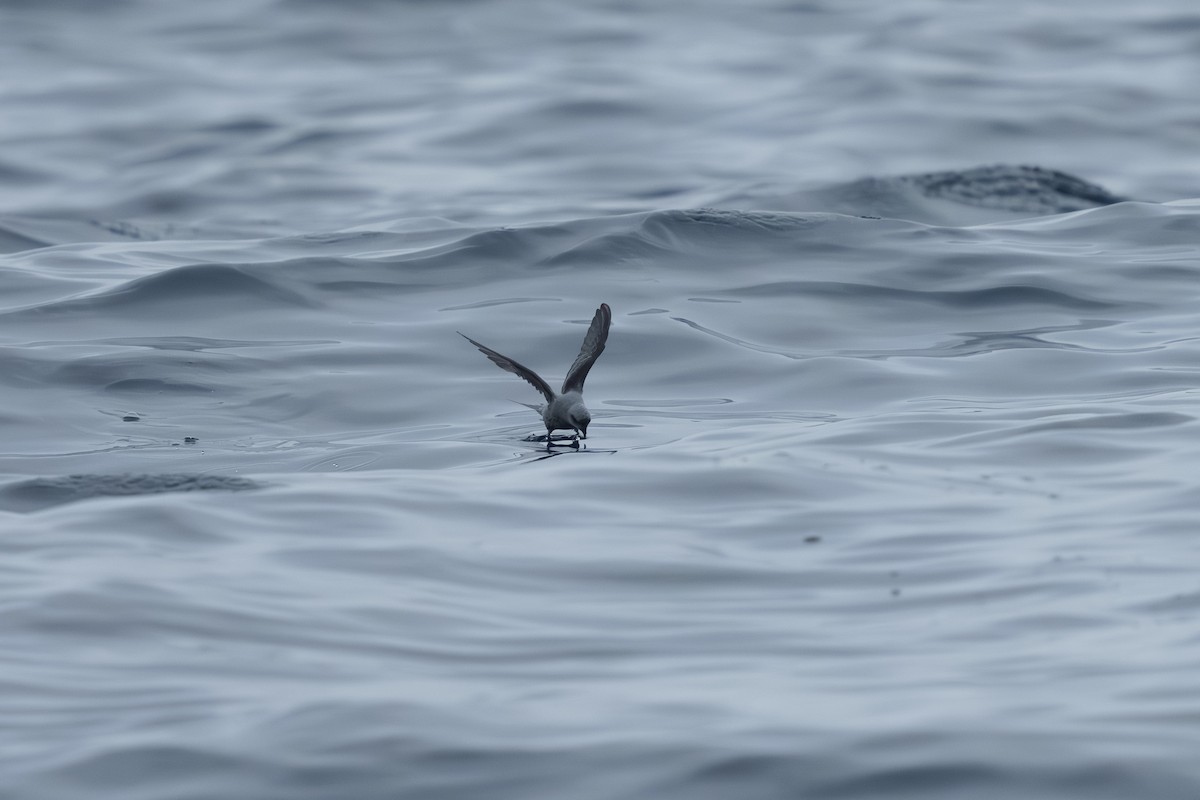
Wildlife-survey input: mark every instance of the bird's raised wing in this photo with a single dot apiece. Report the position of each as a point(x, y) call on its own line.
point(593, 346)
point(508, 365)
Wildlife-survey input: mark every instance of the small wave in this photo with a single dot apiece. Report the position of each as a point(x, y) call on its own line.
point(39, 493)
point(502, 302)
point(1132, 421)
point(13, 241)
point(952, 197)
point(198, 286)
point(990, 296)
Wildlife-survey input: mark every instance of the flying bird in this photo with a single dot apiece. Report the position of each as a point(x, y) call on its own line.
point(564, 410)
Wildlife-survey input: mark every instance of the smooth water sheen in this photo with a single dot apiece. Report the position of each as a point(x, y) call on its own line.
point(891, 487)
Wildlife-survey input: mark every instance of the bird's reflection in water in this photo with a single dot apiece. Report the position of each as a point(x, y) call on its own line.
point(562, 445)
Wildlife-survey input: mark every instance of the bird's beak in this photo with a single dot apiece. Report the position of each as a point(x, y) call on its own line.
point(583, 432)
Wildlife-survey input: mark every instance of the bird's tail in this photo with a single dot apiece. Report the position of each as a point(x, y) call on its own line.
point(538, 408)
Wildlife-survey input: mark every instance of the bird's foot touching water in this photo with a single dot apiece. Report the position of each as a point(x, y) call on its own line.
point(555, 440)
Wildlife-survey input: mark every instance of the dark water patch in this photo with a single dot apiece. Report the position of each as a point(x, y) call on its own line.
point(39, 493)
point(322, 136)
point(752, 221)
point(173, 203)
point(1186, 605)
point(127, 230)
point(11, 173)
point(1023, 774)
point(585, 109)
point(242, 125)
point(1025, 189)
point(951, 197)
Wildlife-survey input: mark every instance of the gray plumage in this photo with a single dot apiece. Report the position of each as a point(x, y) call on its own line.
point(564, 410)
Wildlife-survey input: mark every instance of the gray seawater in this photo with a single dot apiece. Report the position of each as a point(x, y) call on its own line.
point(891, 489)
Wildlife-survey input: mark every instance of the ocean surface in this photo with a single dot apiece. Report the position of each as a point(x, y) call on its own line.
point(892, 487)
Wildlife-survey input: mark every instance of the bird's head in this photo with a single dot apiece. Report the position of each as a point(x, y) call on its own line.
point(579, 418)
